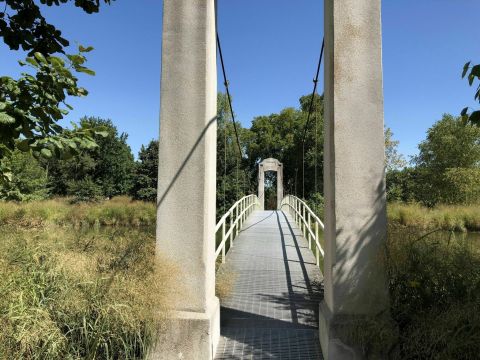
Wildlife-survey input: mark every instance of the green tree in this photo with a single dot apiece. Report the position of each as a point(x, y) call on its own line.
point(393, 159)
point(281, 136)
point(402, 184)
point(114, 162)
point(450, 144)
point(145, 178)
point(28, 181)
point(109, 165)
point(234, 177)
point(31, 106)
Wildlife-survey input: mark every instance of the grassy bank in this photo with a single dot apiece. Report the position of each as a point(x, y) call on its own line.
point(434, 284)
point(78, 294)
point(452, 218)
point(120, 211)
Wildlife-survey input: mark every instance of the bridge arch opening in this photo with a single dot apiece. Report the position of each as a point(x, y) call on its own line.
point(264, 169)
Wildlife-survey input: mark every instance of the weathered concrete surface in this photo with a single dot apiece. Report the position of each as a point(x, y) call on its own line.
point(188, 335)
point(270, 164)
point(272, 310)
point(186, 181)
point(355, 224)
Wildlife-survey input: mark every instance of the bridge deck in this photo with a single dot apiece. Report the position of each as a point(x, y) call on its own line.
point(272, 312)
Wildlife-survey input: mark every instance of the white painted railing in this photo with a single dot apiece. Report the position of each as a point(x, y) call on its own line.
point(235, 217)
point(309, 223)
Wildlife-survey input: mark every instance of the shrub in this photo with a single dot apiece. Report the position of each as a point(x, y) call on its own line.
point(84, 190)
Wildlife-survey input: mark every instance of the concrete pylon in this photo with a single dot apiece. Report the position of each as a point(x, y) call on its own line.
point(270, 164)
point(355, 224)
point(187, 176)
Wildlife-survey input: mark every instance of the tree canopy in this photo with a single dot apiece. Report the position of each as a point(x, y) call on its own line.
point(107, 169)
point(146, 173)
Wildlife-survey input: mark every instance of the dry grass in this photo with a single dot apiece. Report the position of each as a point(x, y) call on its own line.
point(225, 280)
point(120, 211)
point(70, 294)
point(446, 217)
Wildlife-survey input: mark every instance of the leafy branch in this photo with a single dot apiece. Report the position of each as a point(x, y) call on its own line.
point(31, 107)
point(472, 73)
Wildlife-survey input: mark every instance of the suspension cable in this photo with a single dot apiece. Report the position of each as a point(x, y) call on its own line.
point(226, 84)
point(225, 166)
point(315, 83)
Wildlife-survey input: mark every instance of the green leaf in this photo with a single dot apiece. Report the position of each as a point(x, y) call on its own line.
point(471, 79)
point(56, 61)
point(475, 118)
point(23, 145)
point(3, 105)
point(476, 71)
point(6, 119)
point(32, 62)
point(83, 49)
point(464, 111)
point(465, 69)
point(102, 133)
point(46, 153)
point(85, 70)
point(40, 57)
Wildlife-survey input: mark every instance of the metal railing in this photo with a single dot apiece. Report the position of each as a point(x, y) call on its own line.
point(307, 221)
point(235, 217)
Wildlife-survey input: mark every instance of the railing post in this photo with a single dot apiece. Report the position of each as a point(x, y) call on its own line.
point(237, 221)
point(303, 218)
point(223, 243)
point(295, 210)
point(308, 233)
point(231, 230)
point(295, 204)
point(245, 206)
point(317, 241)
point(241, 214)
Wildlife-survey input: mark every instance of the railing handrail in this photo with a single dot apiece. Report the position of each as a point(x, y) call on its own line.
point(245, 204)
point(230, 211)
point(308, 209)
point(303, 215)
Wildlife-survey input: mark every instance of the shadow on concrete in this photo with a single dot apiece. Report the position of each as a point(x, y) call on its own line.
point(161, 197)
point(258, 222)
point(302, 304)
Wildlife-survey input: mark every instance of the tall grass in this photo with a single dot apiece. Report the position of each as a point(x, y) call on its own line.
point(80, 294)
point(120, 211)
point(448, 217)
point(434, 283)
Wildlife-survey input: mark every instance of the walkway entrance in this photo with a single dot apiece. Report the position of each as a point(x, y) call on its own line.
point(272, 311)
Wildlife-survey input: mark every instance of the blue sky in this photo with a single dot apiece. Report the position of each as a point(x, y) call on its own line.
point(271, 48)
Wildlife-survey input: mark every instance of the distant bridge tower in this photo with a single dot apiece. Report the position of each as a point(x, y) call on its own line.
point(270, 164)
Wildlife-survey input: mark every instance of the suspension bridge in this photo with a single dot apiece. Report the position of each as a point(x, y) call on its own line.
point(299, 285)
point(274, 258)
